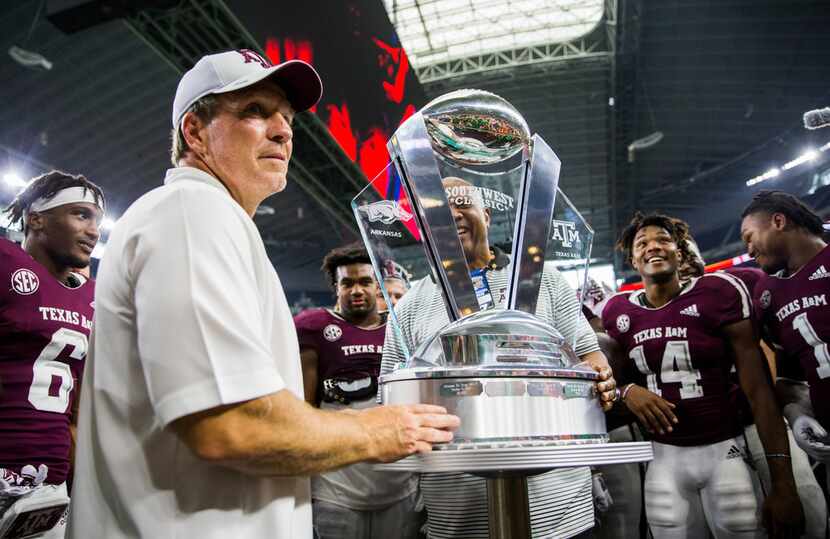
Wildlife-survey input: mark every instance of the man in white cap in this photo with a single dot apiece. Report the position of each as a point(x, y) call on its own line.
point(192, 420)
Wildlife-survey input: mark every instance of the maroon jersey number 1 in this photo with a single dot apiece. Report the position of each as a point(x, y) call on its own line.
point(803, 326)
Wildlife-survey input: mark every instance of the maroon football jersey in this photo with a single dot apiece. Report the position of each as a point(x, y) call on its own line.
point(343, 349)
point(750, 277)
point(678, 351)
point(795, 314)
point(44, 328)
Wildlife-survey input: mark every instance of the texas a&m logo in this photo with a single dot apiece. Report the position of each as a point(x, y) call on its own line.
point(25, 282)
point(254, 56)
point(565, 231)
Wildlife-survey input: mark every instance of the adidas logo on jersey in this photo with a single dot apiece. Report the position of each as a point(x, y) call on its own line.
point(691, 310)
point(734, 453)
point(820, 273)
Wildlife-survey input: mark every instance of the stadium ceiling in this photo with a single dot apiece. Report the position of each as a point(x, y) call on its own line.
point(666, 105)
point(446, 38)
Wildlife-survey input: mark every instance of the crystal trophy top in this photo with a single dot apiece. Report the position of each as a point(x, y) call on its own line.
point(470, 200)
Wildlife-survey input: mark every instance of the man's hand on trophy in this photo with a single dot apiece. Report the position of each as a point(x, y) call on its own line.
point(655, 413)
point(606, 385)
point(396, 432)
point(607, 388)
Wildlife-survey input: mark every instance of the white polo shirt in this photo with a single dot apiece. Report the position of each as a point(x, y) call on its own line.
point(190, 315)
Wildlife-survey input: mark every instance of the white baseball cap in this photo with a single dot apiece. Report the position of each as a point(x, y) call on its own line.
point(234, 70)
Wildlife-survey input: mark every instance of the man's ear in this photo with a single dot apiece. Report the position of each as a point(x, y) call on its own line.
point(35, 222)
point(194, 134)
point(487, 217)
point(778, 221)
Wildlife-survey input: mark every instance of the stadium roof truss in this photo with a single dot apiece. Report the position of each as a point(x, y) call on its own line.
point(450, 38)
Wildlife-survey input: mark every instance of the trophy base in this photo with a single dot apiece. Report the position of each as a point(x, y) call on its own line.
point(506, 409)
point(522, 461)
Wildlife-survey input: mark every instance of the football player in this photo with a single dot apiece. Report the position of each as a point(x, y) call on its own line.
point(46, 311)
point(681, 340)
point(785, 237)
point(341, 351)
point(809, 491)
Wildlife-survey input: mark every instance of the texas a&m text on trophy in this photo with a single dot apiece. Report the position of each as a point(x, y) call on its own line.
point(526, 404)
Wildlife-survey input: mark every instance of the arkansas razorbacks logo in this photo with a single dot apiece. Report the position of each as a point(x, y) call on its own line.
point(385, 211)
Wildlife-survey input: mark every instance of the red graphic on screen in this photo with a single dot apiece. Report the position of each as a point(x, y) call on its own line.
point(409, 111)
point(340, 127)
point(366, 148)
point(290, 50)
point(396, 64)
point(374, 158)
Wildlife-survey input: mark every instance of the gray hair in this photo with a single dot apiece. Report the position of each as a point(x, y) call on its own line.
point(205, 108)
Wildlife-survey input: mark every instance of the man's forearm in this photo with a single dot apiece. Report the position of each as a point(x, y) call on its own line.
point(327, 440)
point(281, 435)
point(773, 434)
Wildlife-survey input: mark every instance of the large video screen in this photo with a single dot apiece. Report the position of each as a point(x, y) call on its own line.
point(369, 88)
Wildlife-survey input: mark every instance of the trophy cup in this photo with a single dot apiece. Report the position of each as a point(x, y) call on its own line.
point(526, 404)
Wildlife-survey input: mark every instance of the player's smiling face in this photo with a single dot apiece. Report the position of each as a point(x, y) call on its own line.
point(249, 142)
point(762, 234)
point(654, 253)
point(70, 233)
point(357, 290)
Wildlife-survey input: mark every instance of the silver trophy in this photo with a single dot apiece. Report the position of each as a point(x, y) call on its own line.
point(470, 206)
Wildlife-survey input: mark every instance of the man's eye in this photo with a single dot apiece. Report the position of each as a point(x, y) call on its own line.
point(255, 109)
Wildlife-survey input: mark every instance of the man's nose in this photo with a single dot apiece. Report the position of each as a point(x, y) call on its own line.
point(280, 129)
point(92, 230)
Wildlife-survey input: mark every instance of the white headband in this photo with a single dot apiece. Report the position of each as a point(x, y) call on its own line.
point(70, 195)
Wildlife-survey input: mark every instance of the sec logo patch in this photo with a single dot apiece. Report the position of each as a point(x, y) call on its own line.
point(332, 332)
point(623, 323)
point(766, 299)
point(25, 282)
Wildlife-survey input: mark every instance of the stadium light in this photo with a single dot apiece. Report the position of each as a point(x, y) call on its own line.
point(771, 173)
point(809, 155)
point(99, 250)
point(12, 179)
point(107, 223)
